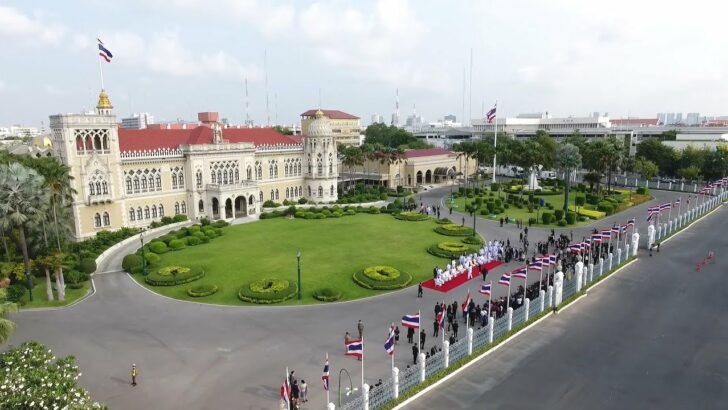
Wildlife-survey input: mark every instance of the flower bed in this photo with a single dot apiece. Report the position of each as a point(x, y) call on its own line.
point(587, 212)
point(327, 294)
point(443, 221)
point(474, 240)
point(382, 278)
point(411, 216)
point(267, 291)
point(450, 249)
point(174, 275)
point(202, 291)
point(454, 230)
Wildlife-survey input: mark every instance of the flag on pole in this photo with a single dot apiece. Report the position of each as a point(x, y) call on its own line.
point(467, 302)
point(552, 260)
point(623, 229)
point(505, 280)
point(630, 222)
point(411, 321)
point(615, 229)
point(485, 288)
point(677, 202)
point(286, 392)
point(354, 347)
point(521, 273)
point(490, 115)
point(104, 52)
point(596, 238)
point(666, 206)
point(576, 248)
point(536, 265)
point(441, 319)
point(652, 211)
point(325, 376)
point(389, 343)
point(606, 234)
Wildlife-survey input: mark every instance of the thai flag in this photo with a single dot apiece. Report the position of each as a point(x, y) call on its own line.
point(411, 321)
point(536, 265)
point(441, 319)
point(596, 238)
point(521, 273)
point(677, 202)
point(467, 301)
point(354, 347)
point(485, 288)
point(505, 280)
point(606, 234)
point(286, 392)
point(389, 343)
point(630, 222)
point(325, 376)
point(623, 229)
point(490, 115)
point(576, 248)
point(552, 259)
point(655, 210)
point(665, 206)
point(104, 52)
point(615, 229)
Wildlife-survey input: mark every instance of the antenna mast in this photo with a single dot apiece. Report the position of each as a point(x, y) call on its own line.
point(267, 103)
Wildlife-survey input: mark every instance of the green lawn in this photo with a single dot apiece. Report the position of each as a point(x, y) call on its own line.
point(332, 250)
point(513, 213)
point(41, 301)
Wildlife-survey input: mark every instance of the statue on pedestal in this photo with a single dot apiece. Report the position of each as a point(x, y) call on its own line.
point(558, 286)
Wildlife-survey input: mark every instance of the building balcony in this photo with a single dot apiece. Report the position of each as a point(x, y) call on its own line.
point(98, 199)
point(238, 186)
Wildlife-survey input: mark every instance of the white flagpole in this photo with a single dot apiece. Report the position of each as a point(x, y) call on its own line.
point(508, 296)
point(490, 298)
point(419, 325)
point(328, 382)
point(288, 385)
point(362, 363)
point(669, 213)
point(495, 139)
point(441, 329)
point(101, 74)
point(540, 274)
point(679, 206)
point(467, 313)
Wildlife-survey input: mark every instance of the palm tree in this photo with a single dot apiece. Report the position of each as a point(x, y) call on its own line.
point(352, 156)
point(21, 200)
point(568, 159)
point(465, 150)
point(6, 326)
point(58, 183)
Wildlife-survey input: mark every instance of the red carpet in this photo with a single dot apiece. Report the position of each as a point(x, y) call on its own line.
point(460, 279)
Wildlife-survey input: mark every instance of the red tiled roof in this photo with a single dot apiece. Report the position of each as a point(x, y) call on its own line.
point(151, 139)
point(332, 114)
point(414, 153)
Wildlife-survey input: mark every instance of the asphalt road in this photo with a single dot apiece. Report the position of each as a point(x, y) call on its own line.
point(653, 336)
point(210, 357)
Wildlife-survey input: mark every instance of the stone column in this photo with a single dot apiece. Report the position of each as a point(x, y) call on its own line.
point(669, 186)
point(591, 273)
point(579, 273)
point(526, 305)
point(446, 352)
point(558, 287)
point(366, 393)
point(619, 256)
point(682, 186)
point(542, 298)
point(510, 318)
point(332, 406)
point(491, 325)
point(395, 377)
point(659, 231)
point(422, 359)
point(470, 341)
point(551, 296)
point(601, 267)
point(669, 226)
point(609, 263)
point(635, 242)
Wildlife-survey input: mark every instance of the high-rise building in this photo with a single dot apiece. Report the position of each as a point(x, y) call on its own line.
point(693, 119)
point(138, 121)
point(450, 118)
point(345, 128)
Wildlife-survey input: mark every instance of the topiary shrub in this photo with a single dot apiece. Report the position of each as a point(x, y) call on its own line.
point(177, 244)
point(450, 249)
point(474, 240)
point(327, 294)
point(546, 217)
point(606, 207)
point(194, 228)
point(220, 224)
point(74, 279)
point(87, 266)
point(562, 223)
point(641, 191)
point(382, 278)
point(267, 291)
point(159, 247)
point(152, 258)
point(570, 218)
point(17, 293)
point(179, 218)
point(411, 216)
point(173, 275)
point(454, 230)
point(202, 291)
point(193, 241)
point(558, 214)
point(350, 212)
point(165, 238)
point(443, 221)
point(131, 262)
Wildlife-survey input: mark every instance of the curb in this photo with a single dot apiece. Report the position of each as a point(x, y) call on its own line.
point(89, 293)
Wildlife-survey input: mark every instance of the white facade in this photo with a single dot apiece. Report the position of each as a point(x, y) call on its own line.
point(137, 121)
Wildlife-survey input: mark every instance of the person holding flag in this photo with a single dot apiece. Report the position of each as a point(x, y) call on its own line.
point(466, 310)
point(441, 321)
point(286, 391)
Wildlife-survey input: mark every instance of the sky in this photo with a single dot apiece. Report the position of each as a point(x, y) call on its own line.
point(174, 58)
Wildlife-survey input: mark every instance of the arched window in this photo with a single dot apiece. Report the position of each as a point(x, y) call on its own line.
point(97, 143)
point(181, 179)
point(161, 210)
point(299, 168)
point(331, 166)
point(199, 179)
point(184, 207)
point(89, 144)
point(272, 195)
point(275, 170)
point(79, 144)
point(309, 190)
point(144, 184)
point(270, 171)
point(128, 185)
point(276, 194)
point(106, 143)
point(219, 177)
point(174, 180)
point(250, 200)
point(159, 182)
point(98, 188)
point(332, 190)
point(249, 173)
point(97, 220)
point(224, 177)
point(214, 178)
point(105, 186)
point(201, 206)
point(261, 196)
point(260, 172)
point(150, 178)
point(107, 220)
point(319, 167)
point(176, 208)
point(154, 211)
point(285, 169)
point(146, 212)
point(132, 216)
point(91, 188)
point(237, 175)
point(136, 184)
point(321, 191)
point(287, 191)
point(139, 213)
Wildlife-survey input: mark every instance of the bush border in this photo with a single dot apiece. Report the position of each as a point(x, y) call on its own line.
point(153, 282)
point(323, 298)
point(193, 294)
point(285, 294)
point(401, 282)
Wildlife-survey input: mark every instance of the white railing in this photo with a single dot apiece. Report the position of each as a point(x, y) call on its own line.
point(157, 153)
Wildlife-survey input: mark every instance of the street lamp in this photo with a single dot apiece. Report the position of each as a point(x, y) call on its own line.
point(144, 260)
point(350, 389)
point(298, 260)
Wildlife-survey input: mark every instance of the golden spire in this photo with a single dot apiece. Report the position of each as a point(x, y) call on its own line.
point(104, 103)
point(319, 114)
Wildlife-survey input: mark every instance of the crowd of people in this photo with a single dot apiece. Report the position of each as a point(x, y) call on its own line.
point(467, 264)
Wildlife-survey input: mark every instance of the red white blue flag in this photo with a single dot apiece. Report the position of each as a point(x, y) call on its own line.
point(411, 321)
point(104, 52)
point(596, 238)
point(485, 288)
point(441, 318)
point(467, 301)
point(505, 280)
point(630, 222)
point(521, 273)
point(552, 259)
point(286, 392)
point(325, 376)
point(354, 347)
point(490, 115)
point(389, 343)
point(606, 234)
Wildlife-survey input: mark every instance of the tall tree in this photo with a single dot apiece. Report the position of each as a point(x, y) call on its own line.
point(7, 327)
point(568, 159)
point(646, 168)
point(549, 146)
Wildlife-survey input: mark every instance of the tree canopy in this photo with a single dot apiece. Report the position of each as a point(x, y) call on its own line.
point(392, 137)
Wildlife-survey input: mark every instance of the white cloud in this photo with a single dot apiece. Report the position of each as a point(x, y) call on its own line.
point(15, 24)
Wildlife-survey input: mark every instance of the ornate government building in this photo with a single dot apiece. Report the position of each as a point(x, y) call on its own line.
point(126, 177)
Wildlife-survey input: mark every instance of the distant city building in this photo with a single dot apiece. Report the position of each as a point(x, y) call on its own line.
point(346, 128)
point(18, 131)
point(377, 119)
point(698, 139)
point(138, 121)
point(693, 119)
point(450, 117)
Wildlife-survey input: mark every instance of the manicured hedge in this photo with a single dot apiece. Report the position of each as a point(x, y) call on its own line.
point(450, 249)
point(177, 244)
point(454, 230)
point(389, 279)
point(443, 221)
point(151, 258)
point(411, 216)
point(570, 217)
point(474, 240)
point(267, 291)
point(131, 262)
point(167, 276)
point(202, 291)
point(193, 240)
point(158, 247)
point(327, 294)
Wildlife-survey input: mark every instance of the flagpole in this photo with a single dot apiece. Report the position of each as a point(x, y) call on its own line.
point(419, 324)
point(508, 296)
point(328, 387)
point(442, 328)
point(490, 298)
point(495, 139)
point(362, 363)
point(679, 206)
point(467, 313)
point(288, 389)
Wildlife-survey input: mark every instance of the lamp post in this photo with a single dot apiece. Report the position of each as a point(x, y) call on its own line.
point(144, 260)
point(350, 389)
point(475, 210)
point(298, 260)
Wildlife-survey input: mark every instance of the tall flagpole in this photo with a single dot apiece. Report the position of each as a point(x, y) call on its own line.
point(394, 350)
point(101, 73)
point(328, 385)
point(508, 296)
point(679, 206)
point(362, 363)
point(467, 313)
point(419, 325)
point(288, 392)
point(490, 298)
point(442, 328)
point(495, 139)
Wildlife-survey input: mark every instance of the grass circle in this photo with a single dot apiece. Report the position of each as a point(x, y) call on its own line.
point(454, 230)
point(382, 278)
point(381, 273)
point(411, 216)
